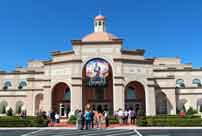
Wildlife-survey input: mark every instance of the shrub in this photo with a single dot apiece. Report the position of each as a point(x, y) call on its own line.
point(191, 111)
point(169, 121)
point(15, 121)
point(113, 120)
point(9, 112)
point(141, 121)
point(72, 119)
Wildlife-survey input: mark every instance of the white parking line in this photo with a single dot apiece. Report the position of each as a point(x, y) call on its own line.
point(128, 133)
point(138, 133)
point(30, 133)
point(111, 132)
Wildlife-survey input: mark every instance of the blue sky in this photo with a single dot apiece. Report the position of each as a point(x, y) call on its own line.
point(31, 29)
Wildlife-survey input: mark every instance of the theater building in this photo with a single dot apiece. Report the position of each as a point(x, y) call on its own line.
point(100, 72)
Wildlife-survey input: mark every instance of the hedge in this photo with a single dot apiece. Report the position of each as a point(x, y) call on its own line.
point(15, 121)
point(169, 121)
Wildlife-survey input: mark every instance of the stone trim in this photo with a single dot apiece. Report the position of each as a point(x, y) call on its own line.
point(38, 80)
point(58, 53)
point(119, 77)
point(154, 78)
point(47, 86)
point(20, 73)
point(191, 87)
point(188, 93)
point(134, 52)
point(77, 78)
point(76, 84)
point(118, 84)
point(145, 61)
point(66, 61)
point(80, 42)
point(23, 90)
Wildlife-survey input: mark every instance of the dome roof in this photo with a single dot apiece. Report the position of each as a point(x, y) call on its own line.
point(100, 17)
point(99, 36)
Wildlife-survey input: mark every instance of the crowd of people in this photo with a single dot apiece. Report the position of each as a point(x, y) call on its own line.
point(127, 116)
point(92, 118)
point(55, 117)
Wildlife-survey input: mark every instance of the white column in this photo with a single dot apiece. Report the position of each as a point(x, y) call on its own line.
point(171, 101)
point(47, 99)
point(118, 97)
point(76, 98)
point(150, 101)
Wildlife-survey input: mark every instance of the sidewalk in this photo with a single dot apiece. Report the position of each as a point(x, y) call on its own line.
point(67, 125)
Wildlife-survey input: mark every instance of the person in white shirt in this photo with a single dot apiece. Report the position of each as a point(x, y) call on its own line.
point(57, 118)
point(120, 116)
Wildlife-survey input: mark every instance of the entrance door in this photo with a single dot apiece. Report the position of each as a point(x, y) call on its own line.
point(61, 99)
point(135, 97)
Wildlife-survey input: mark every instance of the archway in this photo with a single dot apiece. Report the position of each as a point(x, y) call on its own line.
point(3, 106)
point(135, 97)
point(18, 107)
point(61, 97)
point(38, 103)
point(161, 103)
point(97, 86)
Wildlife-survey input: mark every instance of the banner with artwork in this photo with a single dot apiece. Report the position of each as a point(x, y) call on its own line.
point(97, 71)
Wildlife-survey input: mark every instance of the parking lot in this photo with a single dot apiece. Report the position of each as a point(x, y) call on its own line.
point(102, 132)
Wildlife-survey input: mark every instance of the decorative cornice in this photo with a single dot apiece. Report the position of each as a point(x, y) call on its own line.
point(145, 61)
point(66, 61)
point(12, 95)
point(58, 53)
point(133, 52)
point(176, 70)
point(20, 73)
point(80, 42)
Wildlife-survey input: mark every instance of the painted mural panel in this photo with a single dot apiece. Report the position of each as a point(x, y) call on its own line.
point(97, 70)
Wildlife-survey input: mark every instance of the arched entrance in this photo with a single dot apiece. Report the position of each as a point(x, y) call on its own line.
point(61, 97)
point(135, 97)
point(97, 86)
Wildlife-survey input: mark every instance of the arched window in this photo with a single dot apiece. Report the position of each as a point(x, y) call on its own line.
point(161, 103)
point(18, 107)
point(22, 84)
point(131, 95)
point(7, 84)
point(197, 82)
point(199, 105)
point(3, 106)
point(67, 95)
point(180, 83)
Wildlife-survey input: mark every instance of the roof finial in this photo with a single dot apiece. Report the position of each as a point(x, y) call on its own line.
point(100, 12)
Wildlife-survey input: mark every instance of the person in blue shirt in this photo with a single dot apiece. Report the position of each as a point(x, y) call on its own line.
point(88, 119)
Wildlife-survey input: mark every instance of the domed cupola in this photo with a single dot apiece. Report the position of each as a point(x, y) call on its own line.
point(99, 34)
